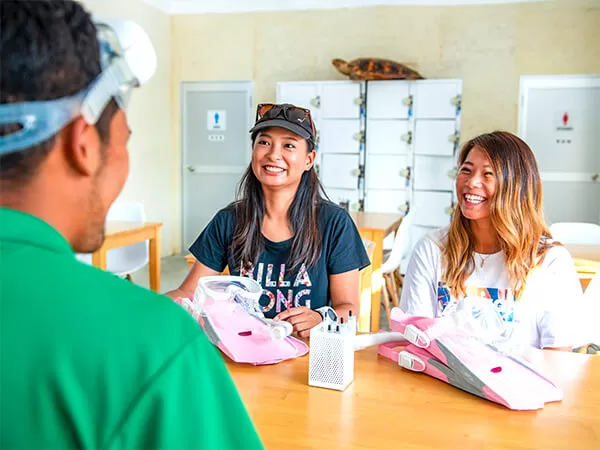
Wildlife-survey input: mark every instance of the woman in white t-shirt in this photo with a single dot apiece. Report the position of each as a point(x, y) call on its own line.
point(498, 247)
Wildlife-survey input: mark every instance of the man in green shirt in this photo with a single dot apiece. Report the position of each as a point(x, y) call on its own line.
point(87, 360)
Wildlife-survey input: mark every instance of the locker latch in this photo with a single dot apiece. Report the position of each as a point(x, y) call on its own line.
point(360, 100)
point(405, 173)
point(361, 205)
point(407, 137)
point(361, 171)
point(596, 177)
point(404, 208)
point(452, 173)
point(317, 137)
point(316, 101)
point(456, 101)
point(454, 138)
point(360, 137)
point(408, 101)
point(449, 210)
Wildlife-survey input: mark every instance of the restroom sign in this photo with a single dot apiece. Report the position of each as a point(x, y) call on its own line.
point(216, 119)
point(564, 127)
point(564, 121)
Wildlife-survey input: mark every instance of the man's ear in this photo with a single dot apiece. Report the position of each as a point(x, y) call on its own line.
point(83, 147)
point(310, 159)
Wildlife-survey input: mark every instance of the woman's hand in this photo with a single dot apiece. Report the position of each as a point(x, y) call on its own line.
point(302, 319)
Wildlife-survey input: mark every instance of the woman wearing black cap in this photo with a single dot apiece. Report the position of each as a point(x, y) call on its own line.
point(304, 250)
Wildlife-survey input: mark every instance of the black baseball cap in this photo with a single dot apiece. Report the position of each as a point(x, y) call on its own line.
point(290, 117)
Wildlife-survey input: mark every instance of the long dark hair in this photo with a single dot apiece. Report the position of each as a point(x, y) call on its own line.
point(248, 241)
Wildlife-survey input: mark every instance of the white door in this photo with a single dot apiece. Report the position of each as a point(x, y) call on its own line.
point(303, 94)
point(340, 100)
point(387, 201)
point(432, 209)
point(559, 118)
point(339, 171)
point(436, 99)
point(388, 99)
point(216, 117)
point(435, 137)
point(340, 136)
point(434, 173)
point(389, 137)
point(387, 171)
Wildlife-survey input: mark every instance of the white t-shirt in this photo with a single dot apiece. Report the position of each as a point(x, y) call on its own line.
point(544, 315)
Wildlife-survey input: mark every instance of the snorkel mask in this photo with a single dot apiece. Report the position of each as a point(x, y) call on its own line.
point(128, 60)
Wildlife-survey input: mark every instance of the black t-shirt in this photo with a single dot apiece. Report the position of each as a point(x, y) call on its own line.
point(342, 250)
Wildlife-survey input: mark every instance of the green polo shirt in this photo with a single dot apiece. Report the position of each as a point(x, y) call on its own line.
point(89, 360)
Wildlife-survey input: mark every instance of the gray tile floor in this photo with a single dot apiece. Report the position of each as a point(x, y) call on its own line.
point(173, 271)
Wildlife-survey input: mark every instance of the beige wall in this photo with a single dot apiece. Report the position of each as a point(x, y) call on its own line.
point(151, 151)
point(488, 47)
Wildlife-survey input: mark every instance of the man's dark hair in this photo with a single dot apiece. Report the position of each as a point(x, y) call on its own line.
point(48, 50)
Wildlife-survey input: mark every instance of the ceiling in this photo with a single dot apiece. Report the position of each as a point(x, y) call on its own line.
point(233, 6)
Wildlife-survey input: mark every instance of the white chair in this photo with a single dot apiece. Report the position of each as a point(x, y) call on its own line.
point(123, 261)
point(576, 232)
point(390, 269)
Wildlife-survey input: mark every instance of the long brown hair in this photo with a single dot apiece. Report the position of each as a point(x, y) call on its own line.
point(248, 241)
point(516, 214)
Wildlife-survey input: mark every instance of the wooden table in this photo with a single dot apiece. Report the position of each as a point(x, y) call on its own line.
point(387, 407)
point(120, 234)
point(375, 227)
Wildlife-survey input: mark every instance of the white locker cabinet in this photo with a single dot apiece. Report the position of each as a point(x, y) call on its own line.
point(340, 196)
point(388, 137)
point(305, 95)
point(435, 137)
point(340, 100)
point(436, 99)
point(402, 140)
point(434, 173)
point(431, 209)
point(387, 172)
point(388, 99)
point(387, 201)
point(340, 136)
point(339, 171)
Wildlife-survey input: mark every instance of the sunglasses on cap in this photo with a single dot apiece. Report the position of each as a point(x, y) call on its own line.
point(290, 113)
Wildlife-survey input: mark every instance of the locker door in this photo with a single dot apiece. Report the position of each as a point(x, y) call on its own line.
point(340, 136)
point(432, 209)
point(434, 173)
point(387, 171)
point(388, 137)
point(386, 201)
point(434, 137)
point(305, 95)
point(387, 99)
point(340, 196)
point(339, 100)
point(339, 171)
point(436, 99)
